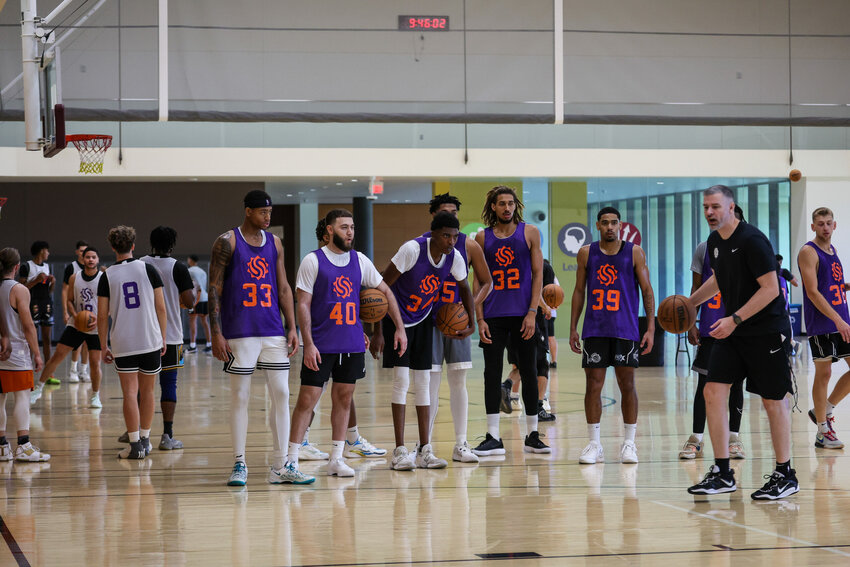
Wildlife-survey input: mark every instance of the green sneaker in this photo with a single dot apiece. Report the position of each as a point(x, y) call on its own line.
point(53, 381)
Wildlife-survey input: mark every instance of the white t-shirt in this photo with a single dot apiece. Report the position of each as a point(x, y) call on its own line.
point(199, 278)
point(699, 258)
point(408, 254)
point(309, 269)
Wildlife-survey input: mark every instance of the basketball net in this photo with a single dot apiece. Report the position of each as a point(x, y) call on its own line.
point(92, 148)
point(3, 201)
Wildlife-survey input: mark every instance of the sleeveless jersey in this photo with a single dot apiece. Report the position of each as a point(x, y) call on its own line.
point(21, 358)
point(830, 276)
point(712, 310)
point(249, 304)
point(135, 327)
point(612, 294)
point(449, 293)
point(174, 326)
point(418, 288)
point(335, 307)
point(85, 295)
point(509, 262)
point(38, 292)
point(783, 289)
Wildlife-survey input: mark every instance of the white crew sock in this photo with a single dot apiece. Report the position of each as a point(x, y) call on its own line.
point(192, 345)
point(698, 436)
point(593, 431)
point(336, 449)
point(292, 457)
point(630, 429)
point(352, 435)
point(823, 427)
point(75, 365)
point(146, 433)
point(493, 425)
point(829, 408)
point(134, 436)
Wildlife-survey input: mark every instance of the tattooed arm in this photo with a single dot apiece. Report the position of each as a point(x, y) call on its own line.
point(221, 253)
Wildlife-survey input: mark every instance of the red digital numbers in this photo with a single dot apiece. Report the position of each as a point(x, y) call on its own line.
point(417, 23)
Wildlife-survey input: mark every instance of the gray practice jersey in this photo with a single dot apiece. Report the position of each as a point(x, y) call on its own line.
point(21, 358)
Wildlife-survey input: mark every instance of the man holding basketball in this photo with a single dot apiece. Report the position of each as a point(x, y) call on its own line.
point(456, 350)
point(753, 343)
point(415, 276)
point(35, 274)
point(610, 272)
point(76, 373)
point(512, 251)
point(328, 297)
point(82, 297)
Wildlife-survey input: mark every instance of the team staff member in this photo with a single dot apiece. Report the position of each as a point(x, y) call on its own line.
point(327, 290)
point(415, 276)
point(130, 292)
point(610, 271)
point(754, 343)
point(456, 351)
point(827, 323)
point(512, 251)
point(200, 309)
point(248, 293)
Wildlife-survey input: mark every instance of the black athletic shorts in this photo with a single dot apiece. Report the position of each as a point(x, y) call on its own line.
point(202, 308)
point(829, 347)
point(420, 341)
point(700, 365)
point(542, 349)
point(764, 360)
point(145, 363)
point(550, 327)
point(602, 352)
point(173, 357)
point(73, 338)
point(42, 312)
point(345, 368)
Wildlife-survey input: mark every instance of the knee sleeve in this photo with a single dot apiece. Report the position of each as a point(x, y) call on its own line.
point(22, 410)
point(2, 412)
point(168, 385)
point(422, 382)
point(401, 383)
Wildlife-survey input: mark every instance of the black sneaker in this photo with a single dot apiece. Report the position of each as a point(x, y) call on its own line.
point(830, 420)
point(542, 414)
point(208, 349)
point(777, 486)
point(490, 446)
point(125, 438)
point(134, 451)
point(553, 364)
point(505, 404)
point(715, 483)
point(146, 444)
point(533, 444)
point(191, 350)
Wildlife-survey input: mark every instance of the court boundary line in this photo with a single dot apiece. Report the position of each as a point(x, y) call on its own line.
point(19, 556)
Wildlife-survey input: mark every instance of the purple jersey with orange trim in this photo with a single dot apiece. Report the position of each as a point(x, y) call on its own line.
point(830, 276)
point(712, 310)
point(249, 305)
point(335, 306)
point(449, 293)
point(418, 288)
point(509, 262)
point(612, 294)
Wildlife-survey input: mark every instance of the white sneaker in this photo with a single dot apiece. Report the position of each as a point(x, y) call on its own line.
point(94, 401)
point(426, 459)
point(592, 454)
point(337, 467)
point(37, 390)
point(628, 452)
point(463, 454)
point(546, 405)
point(85, 376)
point(362, 448)
point(6, 452)
point(31, 453)
point(402, 460)
point(516, 405)
point(310, 452)
point(73, 376)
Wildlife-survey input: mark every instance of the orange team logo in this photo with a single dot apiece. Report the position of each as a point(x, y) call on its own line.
point(505, 256)
point(429, 285)
point(258, 268)
point(342, 287)
point(606, 274)
point(837, 272)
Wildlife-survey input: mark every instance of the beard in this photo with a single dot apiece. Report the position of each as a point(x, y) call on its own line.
point(503, 221)
point(340, 243)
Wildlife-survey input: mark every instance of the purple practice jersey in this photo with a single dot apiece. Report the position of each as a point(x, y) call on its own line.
point(612, 294)
point(712, 310)
point(830, 277)
point(335, 307)
point(509, 262)
point(249, 305)
point(449, 293)
point(418, 288)
point(783, 289)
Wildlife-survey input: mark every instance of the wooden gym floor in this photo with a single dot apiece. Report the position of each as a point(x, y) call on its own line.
point(85, 507)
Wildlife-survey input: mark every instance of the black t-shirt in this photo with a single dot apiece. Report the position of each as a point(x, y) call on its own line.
point(69, 271)
point(153, 277)
point(39, 293)
point(548, 274)
point(738, 262)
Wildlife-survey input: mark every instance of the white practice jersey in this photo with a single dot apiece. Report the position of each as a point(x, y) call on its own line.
point(35, 269)
point(165, 266)
point(85, 295)
point(21, 358)
point(135, 327)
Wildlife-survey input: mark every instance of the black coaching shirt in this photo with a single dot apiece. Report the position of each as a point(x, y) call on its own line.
point(738, 262)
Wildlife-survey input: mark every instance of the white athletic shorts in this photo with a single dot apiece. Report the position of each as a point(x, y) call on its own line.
point(264, 353)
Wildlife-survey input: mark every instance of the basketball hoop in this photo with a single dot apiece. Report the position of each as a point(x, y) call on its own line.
point(3, 201)
point(92, 148)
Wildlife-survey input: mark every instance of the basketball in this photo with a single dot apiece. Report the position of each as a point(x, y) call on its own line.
point(553, 295)
point(373, 305)
point(795, 175)
point(81, 320)
point(676, 314)
point(451, 318)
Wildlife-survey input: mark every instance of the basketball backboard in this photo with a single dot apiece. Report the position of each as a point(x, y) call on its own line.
point(52, 110)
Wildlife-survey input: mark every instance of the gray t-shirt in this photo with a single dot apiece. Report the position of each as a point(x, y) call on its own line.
point(699, 258)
